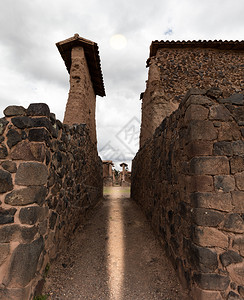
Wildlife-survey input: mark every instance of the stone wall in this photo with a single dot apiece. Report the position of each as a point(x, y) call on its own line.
point(173, 71)
point(50, 177)
point(188, 178)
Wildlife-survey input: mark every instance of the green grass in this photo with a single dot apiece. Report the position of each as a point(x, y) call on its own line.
point(41, 297)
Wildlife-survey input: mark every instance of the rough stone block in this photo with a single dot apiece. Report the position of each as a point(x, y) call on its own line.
point(236, 272)
point(9, 166)
point(200, 294)
point(5, 181)
point(218, 201)
point(224, 183)
point(238, 147)
point(223, 148)
point(233, 296)
point(214, 92)
point(3, 151)
point(52, 220)
point(39, 135)
point(241, 290)
point(234, 223)
point(22, 122)
point(7, 215)
point(237, 164)
point(210, 281)
point(13, 138)
point(30, 215)
point(14, 110)
point(238, 243)
point(209, 165)
point(237, 112)
point(236, 99)
point(230, 257)
point(210, 237)
point(31, 173)
point(200, 183)
point(229, 132)
point(43, 122)
point(29, 195)
point(201, 130)
point(38, 109)
point(220, 113)
point(206, 217)
point(4, 252)
point(28, 151)
point(24, 263)
point(3, 124)
point(196, 112)
point(238, 201)
point(199, 148)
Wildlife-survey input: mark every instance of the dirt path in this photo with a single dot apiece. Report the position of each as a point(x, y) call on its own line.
point(114, 257)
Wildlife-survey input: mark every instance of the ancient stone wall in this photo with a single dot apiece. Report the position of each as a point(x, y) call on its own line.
point(173, 71)
point(50, 177)
point(188, 178)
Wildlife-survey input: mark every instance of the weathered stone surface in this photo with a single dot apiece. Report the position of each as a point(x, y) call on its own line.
point(219, 201)
point(206, 217)
point(220, 113)
point(14, 110)
point(42, 122)
point(233, 296)
point(196, 112)
point(238, 243)
point(13, 138)
point(7, 215)
point(230, 257)
point(22, 122)
point(237, 164)
point(27, 234)
point(29, 195)
point(9, 166)
point(38, 109)
point(202, 259)
point(52, 220)
point(28, 151)
point(24, 263)
point(238, 147)
point(4, 251)
point(229, 131)
point(17, 233)
point(199, 183)
point(237, 272)
point(30, 215)
point(38, 135)
point(201, 130)
point(200, 294)
point(3, 124)
point(236, 99)
point(209, 281)
point(241, 290)
point(237, 112)
point(238, 201)
point(223, 148)
point(224, 183)
point(199, 148)
point(5, 181)
point(210, 237)
point(3, 151)
point(234, 223)
point(31, 173)
point(209, 165)
point(214, 92)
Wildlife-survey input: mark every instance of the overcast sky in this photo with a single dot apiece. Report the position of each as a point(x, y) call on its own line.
point(32, 70)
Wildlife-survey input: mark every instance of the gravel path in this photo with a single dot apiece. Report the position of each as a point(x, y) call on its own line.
point(115, 256)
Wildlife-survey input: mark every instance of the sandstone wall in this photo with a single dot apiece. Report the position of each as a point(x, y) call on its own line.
point(189, 180)
point(172, 72)
point(50, 177)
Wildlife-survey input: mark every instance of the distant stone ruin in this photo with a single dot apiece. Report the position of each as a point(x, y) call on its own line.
point(189, 171)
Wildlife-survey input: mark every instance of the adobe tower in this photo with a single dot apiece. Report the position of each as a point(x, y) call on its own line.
point(82, 61)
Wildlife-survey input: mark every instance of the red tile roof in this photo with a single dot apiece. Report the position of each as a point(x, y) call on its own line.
point(92, 57)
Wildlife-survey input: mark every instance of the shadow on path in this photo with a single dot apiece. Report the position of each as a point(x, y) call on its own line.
point(115, 256)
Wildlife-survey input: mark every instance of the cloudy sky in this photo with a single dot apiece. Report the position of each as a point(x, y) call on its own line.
point(32, 70)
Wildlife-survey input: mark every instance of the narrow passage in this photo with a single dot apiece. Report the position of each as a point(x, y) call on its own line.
point(115, 256)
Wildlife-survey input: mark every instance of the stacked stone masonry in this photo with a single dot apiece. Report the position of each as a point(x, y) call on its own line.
point(189, 180)
point(50, 178)
point(173, 71)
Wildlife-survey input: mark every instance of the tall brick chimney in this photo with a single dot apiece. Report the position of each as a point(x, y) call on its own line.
point(82, 61)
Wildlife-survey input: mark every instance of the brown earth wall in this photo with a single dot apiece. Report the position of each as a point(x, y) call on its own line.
point(172, 72)
point(50, 178)
point(188, 178)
